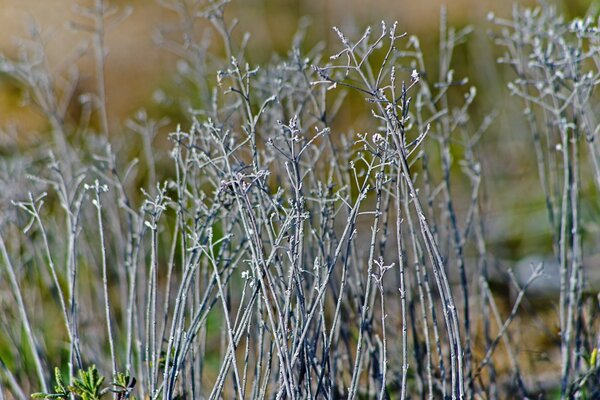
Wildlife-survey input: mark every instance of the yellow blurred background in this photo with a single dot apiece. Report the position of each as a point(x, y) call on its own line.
point(136, 65)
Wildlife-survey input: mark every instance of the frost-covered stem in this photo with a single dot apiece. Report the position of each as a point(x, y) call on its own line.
point(425, 299)
point(260, 271)
point(231, 348)
point(576, 264)
point(384, 361)
point(367, 291)
point(450, 313)
point(563, 262)
point(402, 267)
point(151, 343)
point(97, 190)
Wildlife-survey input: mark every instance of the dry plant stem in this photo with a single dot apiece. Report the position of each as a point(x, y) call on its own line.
point(236, 337)
point(347, 235)
point(576, 262)
point(246, 350)
point(446, 48)
point(168, 283)
point(449, 308)
point(556, 63)
point(586, 113)
point(486, 298)
point(132, 250)
point(506, 339)
point(256, 387)
point(422, 281)
point(75, 357)
point(232, 346)
point(367, 291)
point(563, 243)
point(334, 324)
point(458, 241)
point(458, 247)
point(97, 190)
point(242, 324)
point(260, 271)
point(176, 332)
point(450, 313)
point(276, 208)
point(134, 226)
point(189, 264)
point(541, 163)
point(33, 207)
point(150, 339)
point(132, 255)
point(402, 267)
point(297, 244)
point(183, 349)
point(176, 336)
point(251, 227)
point(71, 204)
point(383, 390)
point(537, 272)
point(24, 317)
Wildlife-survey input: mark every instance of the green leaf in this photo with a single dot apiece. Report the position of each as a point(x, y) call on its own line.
point(61, 391)
point(88, 385)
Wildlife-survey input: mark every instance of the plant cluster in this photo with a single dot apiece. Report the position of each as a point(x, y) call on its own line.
point(271, 254)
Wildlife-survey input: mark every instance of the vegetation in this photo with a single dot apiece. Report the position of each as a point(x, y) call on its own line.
point(271, 253)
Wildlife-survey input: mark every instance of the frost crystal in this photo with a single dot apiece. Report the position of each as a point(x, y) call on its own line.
point(414, 75)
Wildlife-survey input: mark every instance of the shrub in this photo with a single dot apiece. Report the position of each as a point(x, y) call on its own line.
point(270, 253)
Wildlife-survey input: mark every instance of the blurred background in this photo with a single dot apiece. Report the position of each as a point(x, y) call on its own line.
point(139, 74)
